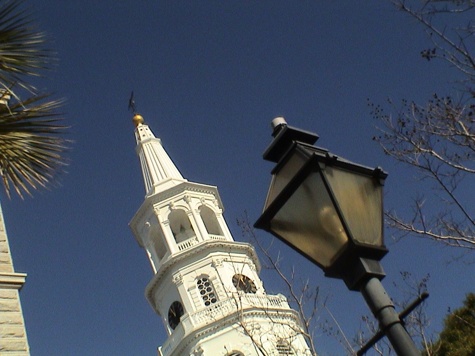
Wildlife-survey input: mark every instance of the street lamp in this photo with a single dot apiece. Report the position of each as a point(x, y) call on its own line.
point(331, 211)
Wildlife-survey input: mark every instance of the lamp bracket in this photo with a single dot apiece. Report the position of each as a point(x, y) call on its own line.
point(363, 269)
point(402, 315)
point(355, 270)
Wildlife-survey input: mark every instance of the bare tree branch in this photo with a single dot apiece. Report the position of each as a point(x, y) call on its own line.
point(437, 139)
point(300, 295)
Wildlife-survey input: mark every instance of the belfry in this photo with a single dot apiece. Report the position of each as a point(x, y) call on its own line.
point(205, 286)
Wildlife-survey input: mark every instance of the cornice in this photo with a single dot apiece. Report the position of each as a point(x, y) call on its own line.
point(12, 280)
point(151, 201)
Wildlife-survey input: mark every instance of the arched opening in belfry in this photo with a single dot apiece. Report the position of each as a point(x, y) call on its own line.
point(158, 242)
point(211, 221)
point(181, 226)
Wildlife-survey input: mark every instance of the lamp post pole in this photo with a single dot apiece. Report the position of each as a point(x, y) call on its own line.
point(365, 275)
point(389, 322)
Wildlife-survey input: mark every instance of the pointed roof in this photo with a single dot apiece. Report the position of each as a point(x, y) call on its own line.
point(159, 171)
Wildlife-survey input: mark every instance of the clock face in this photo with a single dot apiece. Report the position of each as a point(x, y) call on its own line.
point(244, 283)
point(174, 314)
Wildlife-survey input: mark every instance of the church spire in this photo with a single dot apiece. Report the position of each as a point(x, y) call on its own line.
point(206, 286)
point(159, 172)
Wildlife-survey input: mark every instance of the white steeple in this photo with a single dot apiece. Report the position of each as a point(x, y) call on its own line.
point(206, 286)
point(159, 172)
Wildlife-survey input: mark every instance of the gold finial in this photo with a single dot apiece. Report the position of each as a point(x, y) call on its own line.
point(137, 120)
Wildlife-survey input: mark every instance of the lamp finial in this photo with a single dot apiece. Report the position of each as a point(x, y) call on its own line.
point(278, 124)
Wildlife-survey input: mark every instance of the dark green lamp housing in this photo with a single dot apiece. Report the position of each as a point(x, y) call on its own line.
point(327, 208)
point(331, 211)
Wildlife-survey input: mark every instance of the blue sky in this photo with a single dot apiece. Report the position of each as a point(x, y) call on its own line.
point(208, 77)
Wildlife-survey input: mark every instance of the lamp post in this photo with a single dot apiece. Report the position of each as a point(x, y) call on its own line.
point(331, 211)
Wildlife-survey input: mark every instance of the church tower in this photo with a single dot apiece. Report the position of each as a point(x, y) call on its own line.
point(205, 285)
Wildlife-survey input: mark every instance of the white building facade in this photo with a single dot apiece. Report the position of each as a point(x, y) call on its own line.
point(206, 286)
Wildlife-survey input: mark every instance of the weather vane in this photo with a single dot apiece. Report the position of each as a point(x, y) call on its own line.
point(132, 105)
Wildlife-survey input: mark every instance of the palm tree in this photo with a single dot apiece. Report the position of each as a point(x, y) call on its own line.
point(31, 146)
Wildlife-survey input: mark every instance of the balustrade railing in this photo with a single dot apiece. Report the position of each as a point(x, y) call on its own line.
point(216, 237)
point(193, 241)
point(187, 243)
point(238, 302)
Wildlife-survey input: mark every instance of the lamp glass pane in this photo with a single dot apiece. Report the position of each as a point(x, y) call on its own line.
point(308, 221)
point(360, 200)
point(283, 176)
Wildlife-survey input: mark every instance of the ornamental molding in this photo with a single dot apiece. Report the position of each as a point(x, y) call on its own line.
point(217, 262)
point(178, 279)
point(198, 351)
point(184, 187)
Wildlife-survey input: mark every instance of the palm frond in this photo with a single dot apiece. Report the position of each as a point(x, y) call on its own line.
point(22, 47)
point(31, 145)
